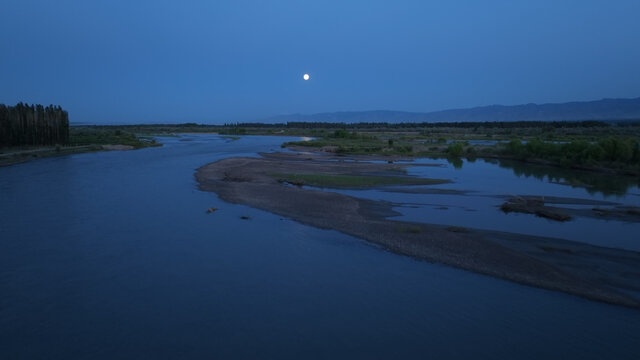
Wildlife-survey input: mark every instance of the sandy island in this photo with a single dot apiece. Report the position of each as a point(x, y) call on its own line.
point(597, 273)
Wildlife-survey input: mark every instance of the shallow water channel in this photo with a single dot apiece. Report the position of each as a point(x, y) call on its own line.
point(112, 255)
point(481, 186)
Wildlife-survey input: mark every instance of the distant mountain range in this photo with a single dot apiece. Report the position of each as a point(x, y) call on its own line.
point(605, 109)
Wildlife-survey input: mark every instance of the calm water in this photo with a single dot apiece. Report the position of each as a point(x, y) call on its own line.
point(487, 184)
point(111, 255)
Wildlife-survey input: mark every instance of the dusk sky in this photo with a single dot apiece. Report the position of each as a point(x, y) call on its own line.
point(225, 61)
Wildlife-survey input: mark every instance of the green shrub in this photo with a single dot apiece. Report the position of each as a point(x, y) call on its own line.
point(344, 134)
point(455, 149)
point(595, 152)
point(514, 147)
point(617, 149)
point(403, 148)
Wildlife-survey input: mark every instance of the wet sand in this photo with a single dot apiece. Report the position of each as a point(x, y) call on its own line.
point(596, 273)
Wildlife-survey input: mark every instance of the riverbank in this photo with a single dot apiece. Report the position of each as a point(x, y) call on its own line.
point(589, 271)
point(12, 156)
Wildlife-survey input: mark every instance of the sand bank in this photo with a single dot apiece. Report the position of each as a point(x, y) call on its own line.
point(596, 273)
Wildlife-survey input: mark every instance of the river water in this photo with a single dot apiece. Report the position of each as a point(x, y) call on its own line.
point(112, 255)
point(485, 184)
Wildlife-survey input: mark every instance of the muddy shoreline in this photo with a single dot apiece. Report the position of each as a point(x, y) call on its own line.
point(21, 156)
point(601, 274)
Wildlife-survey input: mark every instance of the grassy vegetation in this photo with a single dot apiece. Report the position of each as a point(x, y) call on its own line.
point(555, 249)
point(352, 181)
point(98, 135)
point(410, 229)
point(455, 149)
point(342, 141)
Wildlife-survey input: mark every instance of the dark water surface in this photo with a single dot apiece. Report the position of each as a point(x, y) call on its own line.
point(111, 255)
point(485, 185)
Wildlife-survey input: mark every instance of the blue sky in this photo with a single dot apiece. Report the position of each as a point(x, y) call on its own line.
point(223, 61)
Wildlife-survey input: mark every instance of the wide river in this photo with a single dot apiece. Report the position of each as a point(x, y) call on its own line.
point(112, 255)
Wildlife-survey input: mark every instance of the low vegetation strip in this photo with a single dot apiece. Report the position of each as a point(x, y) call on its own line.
point(619, 153)
point(353, 181)
point(90, 135)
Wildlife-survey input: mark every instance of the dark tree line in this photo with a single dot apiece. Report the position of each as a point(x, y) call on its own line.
point(26, 124)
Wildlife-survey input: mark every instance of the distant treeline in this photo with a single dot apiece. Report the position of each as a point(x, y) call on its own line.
point(25, 124)
point(374, 125)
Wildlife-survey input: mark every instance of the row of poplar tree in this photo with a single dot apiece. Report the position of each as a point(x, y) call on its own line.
point(26, 124)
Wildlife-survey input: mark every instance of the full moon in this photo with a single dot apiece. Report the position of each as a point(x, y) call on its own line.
point(306, 76)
